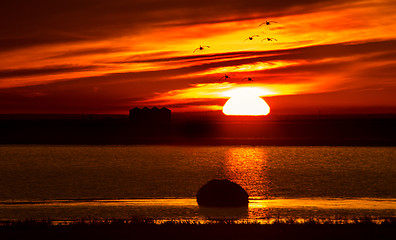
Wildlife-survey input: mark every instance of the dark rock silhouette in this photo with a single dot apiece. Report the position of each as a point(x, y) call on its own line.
point(222, 193)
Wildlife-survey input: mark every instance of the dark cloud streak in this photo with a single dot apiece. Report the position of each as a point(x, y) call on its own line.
point(9, 73)
point(309, 53)
point(29, 23)
point(88, 51)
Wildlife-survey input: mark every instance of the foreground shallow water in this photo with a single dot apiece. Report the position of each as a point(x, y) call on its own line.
point(188, 209)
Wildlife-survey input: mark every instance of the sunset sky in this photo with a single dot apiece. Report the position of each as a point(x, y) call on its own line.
point(100, 56)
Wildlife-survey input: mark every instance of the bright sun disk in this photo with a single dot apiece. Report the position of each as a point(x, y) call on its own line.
point(246, 102)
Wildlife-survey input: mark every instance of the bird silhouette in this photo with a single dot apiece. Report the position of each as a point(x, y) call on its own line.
point(248, 78)
point(225, 77)
point(251, 37)
point(200, 48)
point(269, 39)
point(267, 23)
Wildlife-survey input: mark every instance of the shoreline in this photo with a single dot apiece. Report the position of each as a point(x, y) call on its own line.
point(263, 211)
point(271, 131)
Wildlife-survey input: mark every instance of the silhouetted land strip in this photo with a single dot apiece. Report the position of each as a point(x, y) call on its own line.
point(222, 229)
point(371, 130)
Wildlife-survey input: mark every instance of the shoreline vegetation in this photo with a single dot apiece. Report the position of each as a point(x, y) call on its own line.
point(146, 228)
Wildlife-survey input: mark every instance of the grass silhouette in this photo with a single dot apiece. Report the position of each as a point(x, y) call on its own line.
point(146, 228)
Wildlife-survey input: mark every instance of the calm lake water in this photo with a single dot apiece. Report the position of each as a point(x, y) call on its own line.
point(69, 182)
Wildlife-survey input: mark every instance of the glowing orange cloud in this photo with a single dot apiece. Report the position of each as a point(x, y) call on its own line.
point(225, 90)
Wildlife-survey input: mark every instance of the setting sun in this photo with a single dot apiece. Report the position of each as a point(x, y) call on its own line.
point(246, 102)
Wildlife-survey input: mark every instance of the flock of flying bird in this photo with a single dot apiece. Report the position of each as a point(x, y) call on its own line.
point(200, 48)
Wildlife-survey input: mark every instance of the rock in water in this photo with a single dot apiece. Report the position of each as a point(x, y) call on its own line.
point(222, 193)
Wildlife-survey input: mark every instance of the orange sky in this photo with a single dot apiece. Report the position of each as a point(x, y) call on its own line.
point(102, 56)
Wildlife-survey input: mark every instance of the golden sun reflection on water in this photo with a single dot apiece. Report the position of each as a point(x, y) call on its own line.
point(248, 167)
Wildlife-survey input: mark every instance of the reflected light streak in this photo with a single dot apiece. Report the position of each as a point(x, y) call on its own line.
point(248, 167)
point(324, 203)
